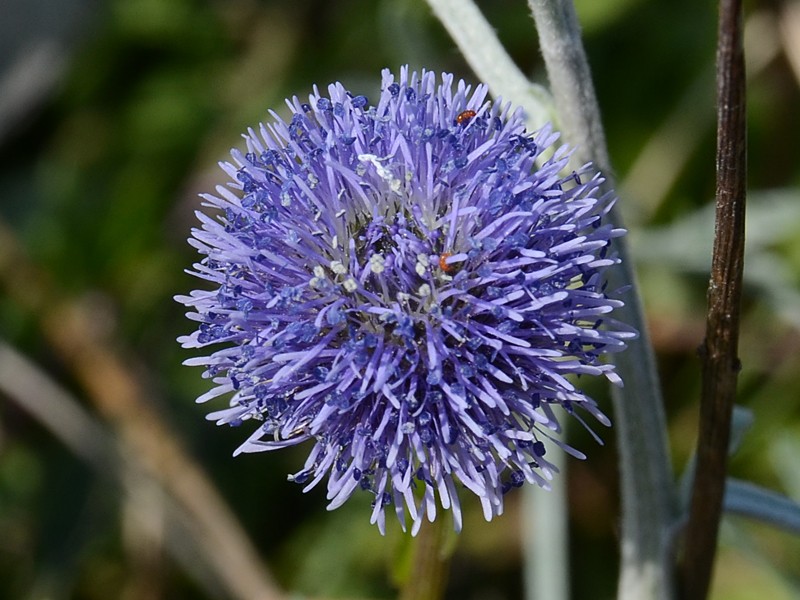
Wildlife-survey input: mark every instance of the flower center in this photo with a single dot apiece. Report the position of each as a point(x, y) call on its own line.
point(388, 279)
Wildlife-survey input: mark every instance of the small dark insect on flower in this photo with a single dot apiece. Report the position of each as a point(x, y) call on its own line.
point(465, 117)
point(411, 298)
point(447, 268)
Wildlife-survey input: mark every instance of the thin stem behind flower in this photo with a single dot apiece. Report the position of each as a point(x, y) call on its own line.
point(430, 563)
point(647, 490)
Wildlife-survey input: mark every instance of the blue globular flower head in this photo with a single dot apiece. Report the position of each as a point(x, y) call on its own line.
point(408, 286)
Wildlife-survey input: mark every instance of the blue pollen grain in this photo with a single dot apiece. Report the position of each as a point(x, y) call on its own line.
point(408, 287)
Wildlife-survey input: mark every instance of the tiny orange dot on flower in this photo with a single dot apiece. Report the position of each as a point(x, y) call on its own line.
point(464, 117)
point(447, 268)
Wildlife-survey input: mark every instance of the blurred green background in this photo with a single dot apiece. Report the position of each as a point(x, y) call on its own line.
point(113, 115)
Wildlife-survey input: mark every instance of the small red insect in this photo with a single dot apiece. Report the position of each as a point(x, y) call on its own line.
point(443, 263)
point(464, 117)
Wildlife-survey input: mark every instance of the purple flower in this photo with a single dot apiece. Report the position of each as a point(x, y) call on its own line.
point(408, 286)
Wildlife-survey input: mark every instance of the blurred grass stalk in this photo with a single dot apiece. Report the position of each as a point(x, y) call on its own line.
point(141, 443)
point(61, 414)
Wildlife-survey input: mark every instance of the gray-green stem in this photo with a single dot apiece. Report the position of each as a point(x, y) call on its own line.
point(648, 503)
point(479, 44)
